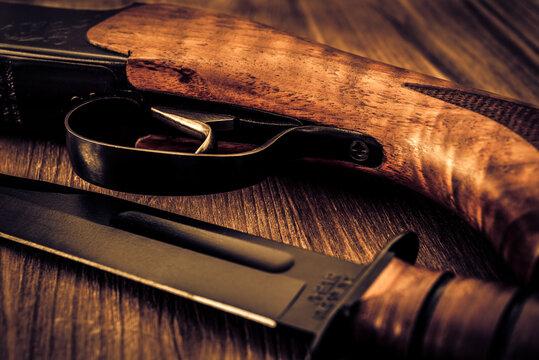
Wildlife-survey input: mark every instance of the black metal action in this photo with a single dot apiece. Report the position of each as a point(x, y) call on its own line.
point(46, 63)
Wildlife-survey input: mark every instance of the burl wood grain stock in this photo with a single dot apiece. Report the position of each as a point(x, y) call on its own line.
point(464, 160)
point(414, 313)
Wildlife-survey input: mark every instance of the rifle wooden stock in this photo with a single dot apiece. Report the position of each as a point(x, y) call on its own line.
point(411, 312)
point(458, 157)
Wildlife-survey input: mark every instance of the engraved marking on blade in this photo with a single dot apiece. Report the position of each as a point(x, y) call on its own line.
point(328, 293)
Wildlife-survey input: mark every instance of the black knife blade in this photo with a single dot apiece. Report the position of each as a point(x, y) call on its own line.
point(261, 280)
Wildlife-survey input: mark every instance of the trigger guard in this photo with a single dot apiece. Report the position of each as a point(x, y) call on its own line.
point(99, 134)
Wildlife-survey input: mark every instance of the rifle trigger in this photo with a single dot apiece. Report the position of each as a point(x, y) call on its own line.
point(189, 125)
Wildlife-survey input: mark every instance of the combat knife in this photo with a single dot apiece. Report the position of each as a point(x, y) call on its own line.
point(343, 309)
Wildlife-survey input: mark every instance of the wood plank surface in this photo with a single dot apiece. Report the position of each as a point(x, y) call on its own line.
point(53, 308)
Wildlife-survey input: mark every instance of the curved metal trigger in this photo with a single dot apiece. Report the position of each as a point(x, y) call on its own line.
point(190, 124)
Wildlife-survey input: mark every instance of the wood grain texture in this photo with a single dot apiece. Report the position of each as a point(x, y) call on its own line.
point(467, 162)
point(54, 308)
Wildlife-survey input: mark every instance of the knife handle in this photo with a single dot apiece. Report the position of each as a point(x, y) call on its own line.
point(439, 138)
point(412, 312)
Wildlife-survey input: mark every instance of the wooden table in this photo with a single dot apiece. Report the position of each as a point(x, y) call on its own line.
point(55, 308)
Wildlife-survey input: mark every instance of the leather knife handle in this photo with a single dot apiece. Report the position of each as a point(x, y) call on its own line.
point(415, 313)
point(439, 138)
